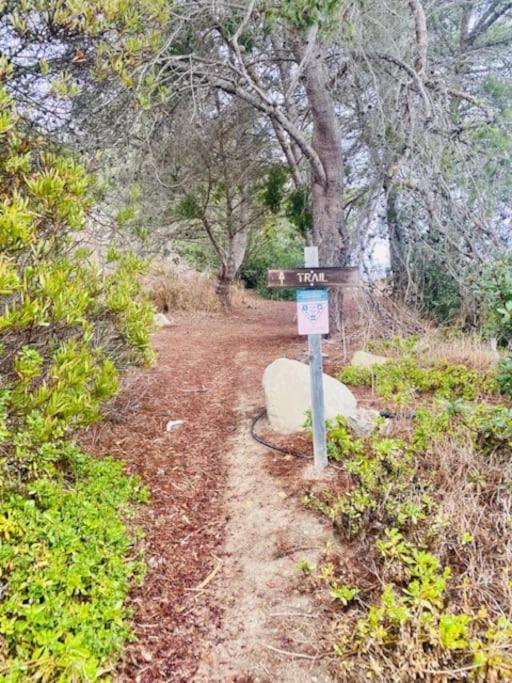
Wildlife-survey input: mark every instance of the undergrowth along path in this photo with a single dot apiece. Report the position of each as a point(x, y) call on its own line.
point(221, 600)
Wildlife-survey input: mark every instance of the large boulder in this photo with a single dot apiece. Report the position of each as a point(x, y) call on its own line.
point(286, 385)
point(363, 359)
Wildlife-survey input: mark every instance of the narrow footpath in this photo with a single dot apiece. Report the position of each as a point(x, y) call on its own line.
point(222, 599)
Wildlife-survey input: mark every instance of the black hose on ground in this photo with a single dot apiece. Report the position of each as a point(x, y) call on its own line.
point(288, 451)
point(263, 442)
point(397, 416)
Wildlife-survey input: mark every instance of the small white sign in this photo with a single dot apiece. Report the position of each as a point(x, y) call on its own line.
point(313, 311)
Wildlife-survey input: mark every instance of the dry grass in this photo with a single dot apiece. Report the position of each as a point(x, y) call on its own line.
point(187, 290)
point(472, 490)
point(466, 349)
point(373, 315)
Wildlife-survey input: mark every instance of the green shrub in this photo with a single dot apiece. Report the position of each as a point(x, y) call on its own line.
point(504, 376)
point(396, 346)
point(402, 378)
point(430, 424)
point(440, 296)
point(356, 376)
point(66, 569)
point(65, 326)
point(383, 484)
point(340, 442)
point(344, 594)
point(492, 426)
point(277, 246)
point(66, 329)
point(429, 512)
point(495, 286)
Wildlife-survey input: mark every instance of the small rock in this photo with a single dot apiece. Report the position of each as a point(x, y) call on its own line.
point(363, 422)
point(363, 359)
point(173, 424)
point(162, 320)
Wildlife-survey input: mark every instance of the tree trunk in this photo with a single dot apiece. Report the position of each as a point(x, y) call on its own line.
point(329, 232)
point(225, 292)
point(396, 245)
point(237, 247)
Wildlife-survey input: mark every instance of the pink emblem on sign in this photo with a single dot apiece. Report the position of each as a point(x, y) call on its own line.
point(313, 311)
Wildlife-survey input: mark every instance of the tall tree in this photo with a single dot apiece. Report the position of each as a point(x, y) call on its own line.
point(399, 108)
point(204, 171)
point(284, 60)
point(447, 181)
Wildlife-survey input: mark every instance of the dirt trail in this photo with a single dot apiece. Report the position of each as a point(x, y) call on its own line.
point(222, 599)
point(266, 534)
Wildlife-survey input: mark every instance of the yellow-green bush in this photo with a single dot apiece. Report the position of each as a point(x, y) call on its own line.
point(66, 563)
point(66, 329)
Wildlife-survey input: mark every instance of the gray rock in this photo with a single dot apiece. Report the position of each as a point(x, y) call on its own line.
point(162, 320)
point(286, 386)
point(173, 424)
point(363, 423)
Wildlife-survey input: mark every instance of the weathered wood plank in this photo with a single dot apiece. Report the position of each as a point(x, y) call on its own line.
point(313, 277)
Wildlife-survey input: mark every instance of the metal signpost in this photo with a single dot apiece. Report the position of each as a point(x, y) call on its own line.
point(316, 377)
point(313, 321)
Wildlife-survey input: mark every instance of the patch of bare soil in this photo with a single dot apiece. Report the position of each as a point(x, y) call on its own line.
point(272, 630)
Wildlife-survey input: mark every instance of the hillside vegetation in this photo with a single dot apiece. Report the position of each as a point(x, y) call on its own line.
point(67, 558)
point(427, 505)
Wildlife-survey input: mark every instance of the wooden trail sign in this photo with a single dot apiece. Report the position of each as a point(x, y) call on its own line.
point(313, 277)
point(313, 320)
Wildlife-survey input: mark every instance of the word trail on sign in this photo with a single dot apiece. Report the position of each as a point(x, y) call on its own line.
point(313, 277)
